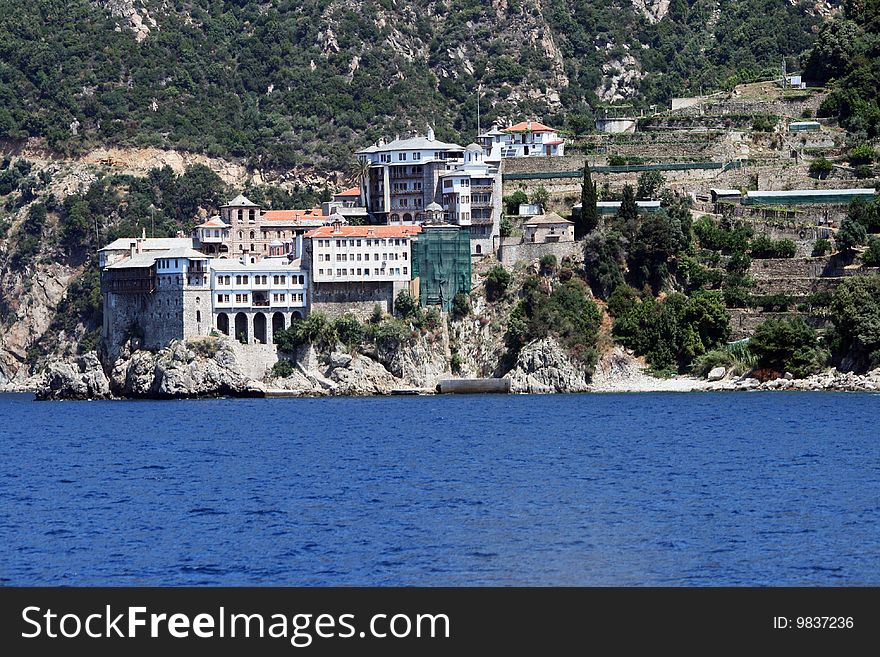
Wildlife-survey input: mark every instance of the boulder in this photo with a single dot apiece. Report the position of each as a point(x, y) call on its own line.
point(82, 378)
point(543, 366)
point(717, 373)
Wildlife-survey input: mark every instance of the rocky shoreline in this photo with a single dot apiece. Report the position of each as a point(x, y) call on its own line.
point(184, 371)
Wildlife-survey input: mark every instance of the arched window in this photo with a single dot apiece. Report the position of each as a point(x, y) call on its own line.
point(252, 235)
point(240, 216)
point(479, 249)
point(198, 316)
point(240, 235)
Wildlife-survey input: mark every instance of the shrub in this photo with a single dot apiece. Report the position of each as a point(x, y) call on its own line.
point(764, 123)
point(497, 282)
point(603, 255)
point(461, 305)
point(506, 227)
point(405, 305)
point(513, 201)
point(736, 358)
point(316, 329)
point(850, 235)
point(765, 247)
point(787, 345)
point(821, 247)
point(820, 167)
point(349, 330)
point(282, 369)
point(455, 363)
point(871, 257)
point(622, 300)
point(855, 311)
point(778, 302)
point(862, 154)
point(547, 264)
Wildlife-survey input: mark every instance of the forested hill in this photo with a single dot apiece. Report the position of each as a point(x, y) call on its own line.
point(285, 84)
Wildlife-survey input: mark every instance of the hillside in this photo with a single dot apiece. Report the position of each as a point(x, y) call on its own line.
point(298, 85)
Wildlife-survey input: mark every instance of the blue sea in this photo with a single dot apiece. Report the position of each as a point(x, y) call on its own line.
point(631, 489)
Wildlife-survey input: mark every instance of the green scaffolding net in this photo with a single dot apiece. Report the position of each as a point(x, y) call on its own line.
point(442, 263)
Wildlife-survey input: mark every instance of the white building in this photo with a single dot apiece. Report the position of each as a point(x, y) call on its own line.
point(354, 269)
point(251, 302)
point(472, 198)
point(403, 176)
point(523, 139)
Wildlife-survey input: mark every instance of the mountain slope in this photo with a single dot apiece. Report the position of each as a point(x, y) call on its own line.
point(300, 84)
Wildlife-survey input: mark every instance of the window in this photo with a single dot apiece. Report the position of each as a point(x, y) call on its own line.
point(366, 272)
point(358, 256)
point(401, 157)
point(321, 271)
point(417, 156)
point(251, 217)
point(359, 271)
point(240, 217)
point(357, 243)
point(404, 270)
point(376, 271)
point(339, 243)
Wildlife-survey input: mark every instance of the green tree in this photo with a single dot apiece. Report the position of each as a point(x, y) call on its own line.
point(855, 311)
point(513, 201)
point(649, 184)
point(627, 217)
point(603, 256)
point(787, 345)
point(871, 257)
point(497, 282)
point(850, 235)
point(588, 220)
point(405, 305)
point(541, 197)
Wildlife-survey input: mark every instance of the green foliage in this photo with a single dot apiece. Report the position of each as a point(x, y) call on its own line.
point(763, 246)
point(349, 330)
point(603, 258)
point(497, 282)
point(867, 213)
point(567, 312)
point(547, 264)
point(871, 257)
point(658, 242)
point(855, 311)
point(588, 219)
point(541, 197)
point(513, 201)
point(461, 305)
point(850, 235)
point(506, 227)
point(405, 306)
point(820, 167)
point(777, 302)
point(787, 345)
point(627, 217)
point(282, 369)
point(764, 123)
point(649, 184)
point(736, 358)
point(821, 247)
point(622, 300)
point(862, 154)
point(316, 329)
point(672, 332)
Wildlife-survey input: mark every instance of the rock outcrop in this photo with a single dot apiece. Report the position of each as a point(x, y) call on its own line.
point(543, 366)
point(83, 378)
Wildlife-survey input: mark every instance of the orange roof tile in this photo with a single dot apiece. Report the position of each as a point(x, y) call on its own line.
point(365, 231)
point(354, 191)
point(294, 215)
point(525, 126)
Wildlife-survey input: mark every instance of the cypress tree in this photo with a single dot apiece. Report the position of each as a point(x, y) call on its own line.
point(589, 218)
point(627, 217)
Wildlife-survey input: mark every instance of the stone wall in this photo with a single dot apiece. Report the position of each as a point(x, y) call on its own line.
point(744, 321)
point(512, 250)
point(254, 360)
point(359, 299)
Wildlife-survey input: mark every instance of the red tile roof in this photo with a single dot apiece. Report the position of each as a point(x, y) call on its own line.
point(354, 191)
point(526, 126)
point(365, 231)
point(294, 215)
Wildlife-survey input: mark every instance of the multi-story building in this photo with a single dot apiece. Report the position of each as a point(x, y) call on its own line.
point(253, 302)
point(251, 230)
point(154, 296)
point(403, 177)
point(523, 139)
point(353, 268)
point(472, 199)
